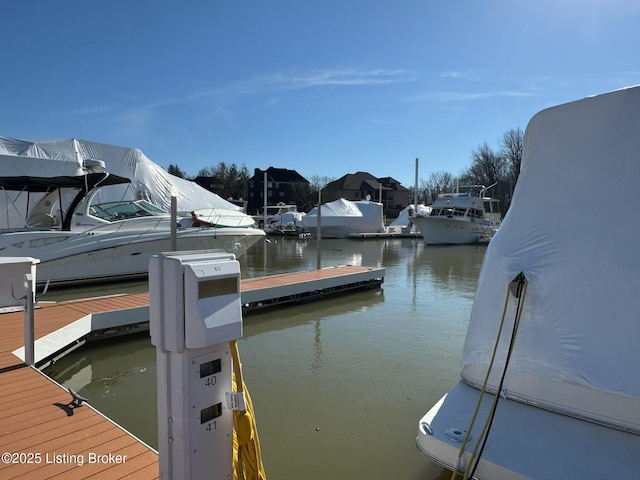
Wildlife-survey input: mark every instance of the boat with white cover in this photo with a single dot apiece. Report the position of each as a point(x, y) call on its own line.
point(280, 219)
point(404, 223)
point(342, 218)
point(549, 386)
point(459, 218)
point(79, 238)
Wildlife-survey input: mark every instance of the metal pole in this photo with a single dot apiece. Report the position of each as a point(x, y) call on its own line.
point(319, 232)
point(264, 207)
point(29, 337)
point(415, 193)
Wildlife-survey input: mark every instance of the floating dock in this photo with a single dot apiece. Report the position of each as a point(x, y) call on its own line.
point(44, 433)
point(274, 290)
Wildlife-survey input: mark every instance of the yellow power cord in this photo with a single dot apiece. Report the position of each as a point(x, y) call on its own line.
point(455, 472)
point(247, 460)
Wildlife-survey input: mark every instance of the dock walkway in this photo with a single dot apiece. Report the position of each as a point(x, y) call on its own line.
point(43, 435)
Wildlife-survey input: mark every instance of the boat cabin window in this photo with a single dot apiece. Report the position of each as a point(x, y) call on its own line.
point(113, 211)
point(449, 212)
point(492, 206)
point(476, 213)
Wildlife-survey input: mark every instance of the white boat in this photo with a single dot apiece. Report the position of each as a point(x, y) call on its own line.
point(280, 219)
point(343, 218)
point(549, 386)
point(461, 218)
point(78, 239)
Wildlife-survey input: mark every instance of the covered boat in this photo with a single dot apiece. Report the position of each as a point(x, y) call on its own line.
point(91, 211)
point(549, 361)
point(405, 220)
point(342, 218)
point(68, 157)
point(78, 238)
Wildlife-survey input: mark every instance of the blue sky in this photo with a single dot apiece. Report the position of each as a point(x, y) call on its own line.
point(324, 87)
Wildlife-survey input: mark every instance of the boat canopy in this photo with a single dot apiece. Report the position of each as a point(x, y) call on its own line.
point(45, 184)
point(149, 181)
point(576, 346)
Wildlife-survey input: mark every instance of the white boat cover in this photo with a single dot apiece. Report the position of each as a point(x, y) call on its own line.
point(572, 230)
point(368, 215)
point(149, 181)
point(404, 217)
point(291, 219)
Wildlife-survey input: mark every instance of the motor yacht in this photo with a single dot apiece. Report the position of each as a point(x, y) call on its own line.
point(461, 217)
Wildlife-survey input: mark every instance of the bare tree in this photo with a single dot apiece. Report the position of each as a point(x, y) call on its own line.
point(487, 167)
point(511, 150)
point(317, 183)
point(438, 182)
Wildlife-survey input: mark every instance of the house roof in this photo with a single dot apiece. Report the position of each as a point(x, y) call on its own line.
point(364, 181)
point(392, 182)
point(279, 175)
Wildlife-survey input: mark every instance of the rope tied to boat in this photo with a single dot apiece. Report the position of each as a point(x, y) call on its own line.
point(518, 288)
point(247, 459)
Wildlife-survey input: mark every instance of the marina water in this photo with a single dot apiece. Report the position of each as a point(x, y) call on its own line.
point(338, 385)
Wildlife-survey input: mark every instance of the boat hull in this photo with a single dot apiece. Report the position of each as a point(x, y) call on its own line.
point(341, 231)
point(96, 255)
point(451, 231)
point(524, 441)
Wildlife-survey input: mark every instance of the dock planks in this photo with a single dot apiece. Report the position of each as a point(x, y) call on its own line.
point(43, 436)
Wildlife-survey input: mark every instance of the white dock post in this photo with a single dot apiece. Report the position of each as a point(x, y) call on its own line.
point(174, 221)
point(29, 336)
point(319, 232)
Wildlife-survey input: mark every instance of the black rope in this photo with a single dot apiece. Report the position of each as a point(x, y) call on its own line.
point(520, 278)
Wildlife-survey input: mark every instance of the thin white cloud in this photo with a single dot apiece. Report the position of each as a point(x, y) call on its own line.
point(453, 96)
point(137, 115)
point(457, 74)
point(289, 81)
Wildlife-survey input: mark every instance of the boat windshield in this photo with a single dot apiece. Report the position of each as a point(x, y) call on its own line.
point(114, 211)
point(449, 212)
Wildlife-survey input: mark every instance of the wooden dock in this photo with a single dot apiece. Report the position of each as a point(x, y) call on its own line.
point(43, 435)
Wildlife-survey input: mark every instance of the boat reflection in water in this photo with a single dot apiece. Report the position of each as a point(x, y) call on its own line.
point(325, 377)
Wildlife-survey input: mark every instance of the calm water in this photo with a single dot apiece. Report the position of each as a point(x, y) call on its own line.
point(338, 385)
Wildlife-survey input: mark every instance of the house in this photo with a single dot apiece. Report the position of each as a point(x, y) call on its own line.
point(360, 185)
point(283, 186)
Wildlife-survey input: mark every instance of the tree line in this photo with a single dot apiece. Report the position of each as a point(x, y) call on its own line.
point(500, 168)
point(229, 181)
